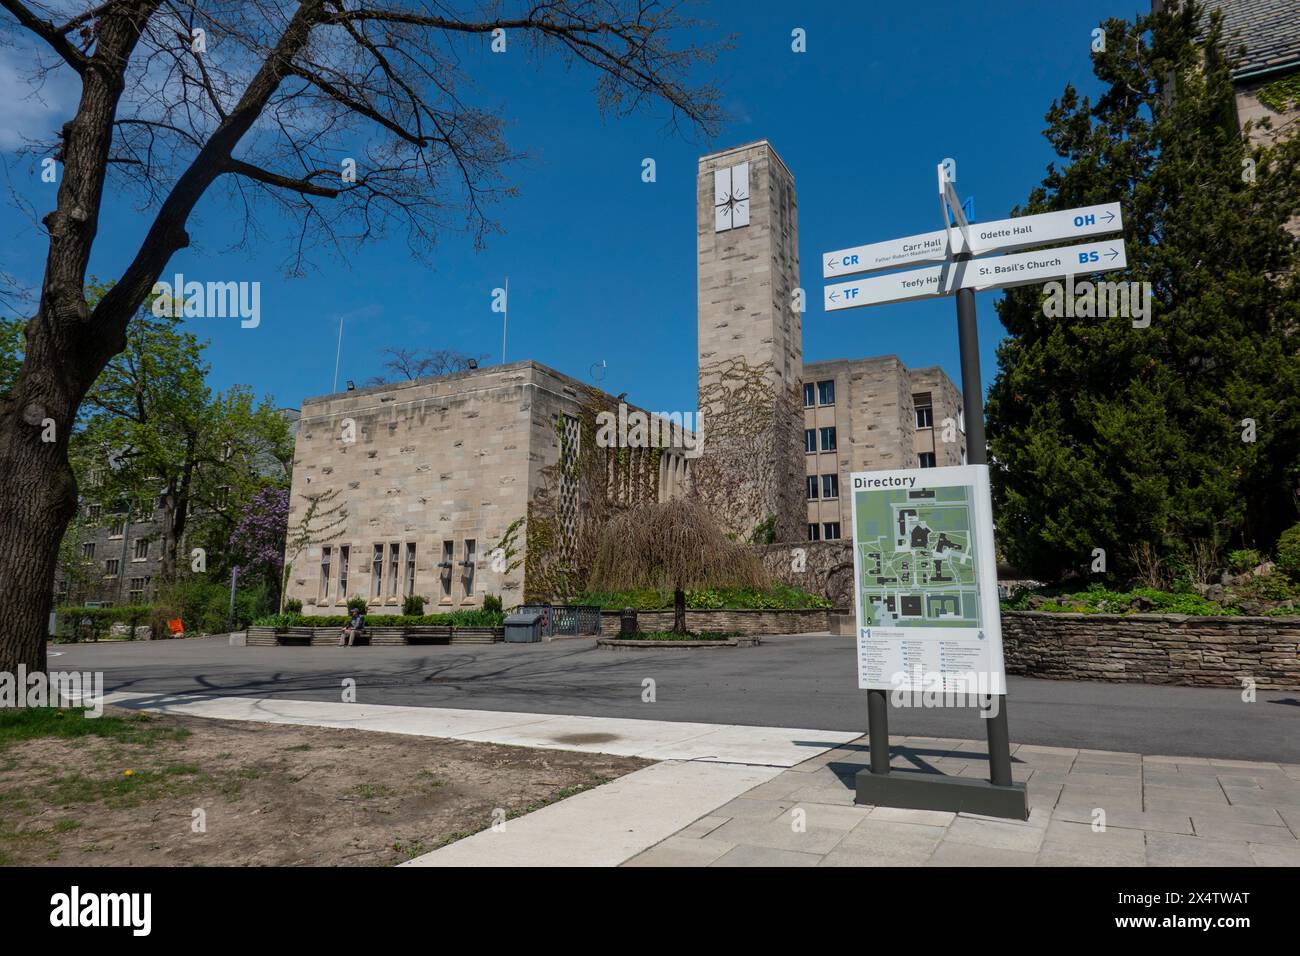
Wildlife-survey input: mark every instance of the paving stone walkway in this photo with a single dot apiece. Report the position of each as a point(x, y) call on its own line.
point(1157, 811)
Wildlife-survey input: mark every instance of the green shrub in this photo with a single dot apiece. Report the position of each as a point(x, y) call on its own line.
point(294, 606)
point(101, 620)
point(1098, 599)
point(1288, 552)
point(492, 603)
point(357, 603)
point(412, 605)
point(1247, 559)
point(777, 597)
point(470, 617)
point(1272, 587)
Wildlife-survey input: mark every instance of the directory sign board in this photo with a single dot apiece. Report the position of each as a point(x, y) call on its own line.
point(925, 581)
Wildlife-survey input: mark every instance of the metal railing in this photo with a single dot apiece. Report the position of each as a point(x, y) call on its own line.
point(566, 619)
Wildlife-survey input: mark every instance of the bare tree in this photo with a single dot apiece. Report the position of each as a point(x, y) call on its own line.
point(269, 101)
point(411, 364)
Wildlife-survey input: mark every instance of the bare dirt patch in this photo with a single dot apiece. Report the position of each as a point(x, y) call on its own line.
point(270, 794)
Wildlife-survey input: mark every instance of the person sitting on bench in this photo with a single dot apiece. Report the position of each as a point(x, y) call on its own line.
point(352, 629)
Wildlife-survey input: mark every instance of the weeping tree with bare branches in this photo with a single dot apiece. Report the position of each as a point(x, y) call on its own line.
point(349, 118)
point(672, 546)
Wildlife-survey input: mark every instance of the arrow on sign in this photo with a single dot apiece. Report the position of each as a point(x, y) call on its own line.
point(1000, 235)
point(995, 272)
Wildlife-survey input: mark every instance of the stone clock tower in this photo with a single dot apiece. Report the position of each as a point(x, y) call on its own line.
point(750, 342)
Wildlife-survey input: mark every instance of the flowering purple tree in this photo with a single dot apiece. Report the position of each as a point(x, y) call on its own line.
point(257, 543)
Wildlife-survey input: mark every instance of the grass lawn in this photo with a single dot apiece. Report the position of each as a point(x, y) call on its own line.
point(129, 789)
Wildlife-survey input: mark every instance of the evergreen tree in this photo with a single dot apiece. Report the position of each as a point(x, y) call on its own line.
point(1131, 439)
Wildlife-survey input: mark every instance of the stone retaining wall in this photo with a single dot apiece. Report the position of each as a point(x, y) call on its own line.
point(818, 567)
point(1154, 648)
point(742, 621)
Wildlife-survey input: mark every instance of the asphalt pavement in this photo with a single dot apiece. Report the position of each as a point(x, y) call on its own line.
point(788, 681)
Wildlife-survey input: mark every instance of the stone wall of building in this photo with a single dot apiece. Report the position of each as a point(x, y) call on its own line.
point(1154, 649)
point(874, 415)
point(945, 405)
point(823, 568)
point(747, 273)
point(443, 466)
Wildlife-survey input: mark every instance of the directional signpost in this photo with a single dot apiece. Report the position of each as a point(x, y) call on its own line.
point(1002, 235)
point(996, 272)
point(957, 260)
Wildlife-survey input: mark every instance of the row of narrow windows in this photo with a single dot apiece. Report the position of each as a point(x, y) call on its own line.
point(392, 570)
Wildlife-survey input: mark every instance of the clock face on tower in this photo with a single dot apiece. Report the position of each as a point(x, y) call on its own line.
point(731, 197)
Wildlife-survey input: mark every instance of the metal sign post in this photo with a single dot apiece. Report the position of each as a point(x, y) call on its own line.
point(960, 273)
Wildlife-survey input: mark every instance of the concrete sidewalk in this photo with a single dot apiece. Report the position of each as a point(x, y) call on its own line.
point(729, 795)
point(1087, 808)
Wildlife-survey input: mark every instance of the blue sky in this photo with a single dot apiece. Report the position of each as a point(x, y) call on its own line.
point(602, 265)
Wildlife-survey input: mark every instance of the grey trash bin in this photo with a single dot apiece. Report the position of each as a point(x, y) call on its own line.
point(524, 627)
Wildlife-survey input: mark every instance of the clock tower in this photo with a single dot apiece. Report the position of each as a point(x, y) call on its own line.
point(750, 343)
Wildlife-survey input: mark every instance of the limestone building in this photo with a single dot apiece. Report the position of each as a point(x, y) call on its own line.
point(450, 488)
point(867, 414)
point(750, 339)
point(431, 487)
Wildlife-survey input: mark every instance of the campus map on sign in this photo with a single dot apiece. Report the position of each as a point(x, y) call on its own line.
point(926, 587)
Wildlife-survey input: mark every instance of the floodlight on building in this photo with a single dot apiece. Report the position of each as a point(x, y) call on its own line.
point(351, 386)
point(473, 364)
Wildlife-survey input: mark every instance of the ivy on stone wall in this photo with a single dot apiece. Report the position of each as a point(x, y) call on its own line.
point(1282, 95)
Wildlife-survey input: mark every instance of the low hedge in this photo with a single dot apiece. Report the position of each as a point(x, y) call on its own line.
point(779, 597)
point(101, 619)
point(1099, 600)
point(467, 618)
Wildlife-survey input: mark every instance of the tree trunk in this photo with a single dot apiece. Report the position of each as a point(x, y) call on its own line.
point(39, 500)
point(679, 611)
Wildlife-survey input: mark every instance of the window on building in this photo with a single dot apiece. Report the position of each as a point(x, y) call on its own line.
point(394, 555)
point(111, 567)
point(141, 513)
point(445, 568)
point(812, 487)
point(924, 416)
point(830, 486)
point(116, 528)
point(410, 570)
point(94, 511)
point(814, 531)
point(323, 592)
point(808, 394)
point(141, 549)
point(828, 438)
point(926, 459)
point(377, 572)
point(135, 590)
point(223, 496)
point(345, 554)
point(832, 530)
point(810, 440)
point(826, 392)
point(469, 566)
point(88, 551)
